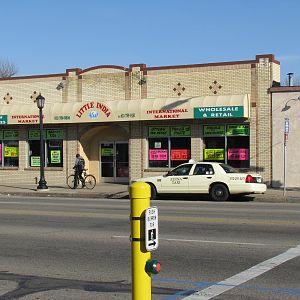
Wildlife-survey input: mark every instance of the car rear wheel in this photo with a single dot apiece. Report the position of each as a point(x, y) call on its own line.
point(153, 192)
point(219, 192)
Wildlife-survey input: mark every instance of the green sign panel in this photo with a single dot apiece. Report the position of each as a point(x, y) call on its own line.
point(49, 134)
point(34, 134)
point(54, 134)
point(214, 154)
point(157, 131)
point(217, 112)
point(181, 131)
point(3, 119)
point(10, 134)
point(237, 129)
point(214, 130)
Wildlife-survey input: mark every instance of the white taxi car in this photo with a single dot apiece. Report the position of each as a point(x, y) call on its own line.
point(215, 179)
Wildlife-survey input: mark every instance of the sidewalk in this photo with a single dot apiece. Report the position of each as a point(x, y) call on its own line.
point(120, 191)
point(103, 190)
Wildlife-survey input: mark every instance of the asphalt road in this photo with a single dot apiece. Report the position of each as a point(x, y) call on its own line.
point(55, 248)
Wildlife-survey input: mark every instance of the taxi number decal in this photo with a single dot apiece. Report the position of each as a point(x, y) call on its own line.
point(175, 180)
point(237, 178)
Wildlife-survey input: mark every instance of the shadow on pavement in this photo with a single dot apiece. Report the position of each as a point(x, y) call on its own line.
point(28, 284)
point(190, 197)
point(18, 187)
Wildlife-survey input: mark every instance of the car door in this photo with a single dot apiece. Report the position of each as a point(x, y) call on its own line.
point(177, 180)
point(203, 175)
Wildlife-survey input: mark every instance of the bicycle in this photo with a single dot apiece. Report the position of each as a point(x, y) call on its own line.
point(89, 181)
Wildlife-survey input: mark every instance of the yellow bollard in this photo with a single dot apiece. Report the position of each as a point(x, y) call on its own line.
point(141, 281)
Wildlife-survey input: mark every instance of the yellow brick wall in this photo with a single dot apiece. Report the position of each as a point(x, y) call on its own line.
point(103, 87)
point(162, 83)
point(21, 90)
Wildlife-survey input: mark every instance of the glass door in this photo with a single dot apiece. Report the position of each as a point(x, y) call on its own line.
point(107, 161)
point(114, 161)
point(121, 161)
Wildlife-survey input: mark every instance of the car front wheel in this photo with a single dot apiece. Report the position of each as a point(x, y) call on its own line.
point(153, 192)
point(219, 192)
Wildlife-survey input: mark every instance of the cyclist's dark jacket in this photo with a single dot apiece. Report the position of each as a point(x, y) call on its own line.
point(79, 164)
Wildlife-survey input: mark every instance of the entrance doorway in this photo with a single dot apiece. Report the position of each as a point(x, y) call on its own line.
point(114, 161)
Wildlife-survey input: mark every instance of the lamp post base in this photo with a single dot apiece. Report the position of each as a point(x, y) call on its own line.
point(42, 185)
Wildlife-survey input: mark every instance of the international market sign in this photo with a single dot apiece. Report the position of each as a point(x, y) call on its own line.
point(213, 112)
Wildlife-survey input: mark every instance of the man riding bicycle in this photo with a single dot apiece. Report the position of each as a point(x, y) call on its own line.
point(79, 167)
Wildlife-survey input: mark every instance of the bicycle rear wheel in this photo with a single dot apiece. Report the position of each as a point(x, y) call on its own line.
point(90, 182)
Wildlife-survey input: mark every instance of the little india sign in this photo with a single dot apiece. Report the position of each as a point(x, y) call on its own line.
point(218, 112)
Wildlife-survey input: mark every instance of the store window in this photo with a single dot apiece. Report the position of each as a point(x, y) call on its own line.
point(169, 146)
point(9, 148)
point(53, 139)
point(227, 143)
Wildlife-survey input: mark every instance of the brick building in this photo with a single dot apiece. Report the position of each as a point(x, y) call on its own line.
point(139, 121)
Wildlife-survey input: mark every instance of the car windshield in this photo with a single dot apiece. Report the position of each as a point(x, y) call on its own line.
point(229, 169)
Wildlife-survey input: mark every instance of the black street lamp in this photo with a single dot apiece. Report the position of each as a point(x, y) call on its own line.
point(40, 101)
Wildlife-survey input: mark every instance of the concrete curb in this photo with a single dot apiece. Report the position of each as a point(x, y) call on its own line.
point(125, 195)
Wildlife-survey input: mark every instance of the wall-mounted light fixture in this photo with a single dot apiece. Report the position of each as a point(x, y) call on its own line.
point(286, 106)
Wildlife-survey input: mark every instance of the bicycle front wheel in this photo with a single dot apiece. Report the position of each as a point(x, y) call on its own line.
point(90, 182)
point(71, 181)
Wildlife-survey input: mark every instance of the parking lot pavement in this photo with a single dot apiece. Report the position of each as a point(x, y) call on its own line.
point(120, 190)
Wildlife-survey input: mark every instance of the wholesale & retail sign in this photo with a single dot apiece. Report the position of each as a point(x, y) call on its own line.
point(215, 112)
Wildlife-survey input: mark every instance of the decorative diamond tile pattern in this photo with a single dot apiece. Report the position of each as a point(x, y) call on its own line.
point(215, 87)
point(7, 98)
point(33, 96)
point(179, 89)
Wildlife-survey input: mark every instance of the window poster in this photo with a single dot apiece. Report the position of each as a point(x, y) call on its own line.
point(35, 161)
point(180, 154)
point(11, 151)
point(158, 154)
point(55, 156)
point(214, 154)
point(238, 154)
point(157, 145)
point(107, 151)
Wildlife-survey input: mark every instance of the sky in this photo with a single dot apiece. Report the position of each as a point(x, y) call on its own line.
point(50, 36)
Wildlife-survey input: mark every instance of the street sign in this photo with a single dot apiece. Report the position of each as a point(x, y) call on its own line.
point(286, 130)
point(151, 228)
point(286, 125)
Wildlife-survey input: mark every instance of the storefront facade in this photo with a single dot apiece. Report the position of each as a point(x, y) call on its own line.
point(138, 121)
